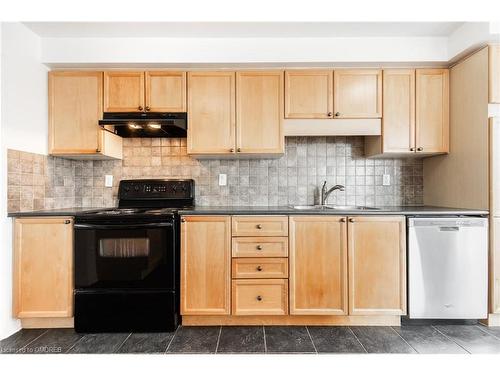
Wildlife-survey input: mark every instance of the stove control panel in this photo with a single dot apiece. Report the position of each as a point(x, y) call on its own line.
point(156, 189)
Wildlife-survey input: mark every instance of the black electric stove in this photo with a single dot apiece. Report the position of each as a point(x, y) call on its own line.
point(127, 259)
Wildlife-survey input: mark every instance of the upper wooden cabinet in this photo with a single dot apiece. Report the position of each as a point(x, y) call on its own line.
point(165, 91)
point(205, 265)
point(43, 267)
point(377, 265)
point(211, 114)
point(357, 93)
point(123, 91)
point(432, 111)
point(75, 108)
point(494, 73)
point(309, 94)
point(153, 91)
point(219, 126)
point(318, 265)
point(259, 112)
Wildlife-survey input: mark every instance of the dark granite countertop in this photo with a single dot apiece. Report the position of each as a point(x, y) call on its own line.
point(70, 211)
point(275, 210)
point(287, 210)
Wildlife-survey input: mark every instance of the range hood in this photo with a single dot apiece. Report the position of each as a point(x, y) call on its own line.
point(150, 124)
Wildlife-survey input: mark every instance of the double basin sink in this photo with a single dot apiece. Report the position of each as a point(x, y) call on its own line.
point(328, 207)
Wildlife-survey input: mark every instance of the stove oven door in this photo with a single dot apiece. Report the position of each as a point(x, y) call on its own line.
point(124, 256)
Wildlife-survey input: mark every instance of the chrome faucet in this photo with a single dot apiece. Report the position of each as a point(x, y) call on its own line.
point(325, 193)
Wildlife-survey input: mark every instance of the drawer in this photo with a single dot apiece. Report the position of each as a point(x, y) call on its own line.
point(260, 268)
point(260, 225)
point(260, 297)
point(266, 247)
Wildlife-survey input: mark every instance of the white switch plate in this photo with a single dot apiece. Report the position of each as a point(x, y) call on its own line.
point(386, 179)
point(108, 180)
point(222, 179)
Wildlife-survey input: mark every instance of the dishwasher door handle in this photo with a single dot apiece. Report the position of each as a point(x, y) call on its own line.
point(449, 229)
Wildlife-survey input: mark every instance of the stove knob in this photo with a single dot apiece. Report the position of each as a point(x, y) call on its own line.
point(136, 188)
point(174, 188)
point(127, 189)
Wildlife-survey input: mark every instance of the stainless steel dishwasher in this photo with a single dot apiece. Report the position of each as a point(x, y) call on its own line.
point(447, 267)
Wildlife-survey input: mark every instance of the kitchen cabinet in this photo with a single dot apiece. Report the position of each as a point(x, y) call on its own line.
point(357, 93)
point(151, 91)
point(235, 113)
point(260, 297)
point(124, 91)
point(205, 265)
point(377, 265)
point(308, 94)
point(211, 114)
point(260, 225)
point(398, 122)
point(432, 111)
point(43, 267)
point(318, 265)
point(75, 107)
point(494, 73)
point(259, 112)
point(165, 91)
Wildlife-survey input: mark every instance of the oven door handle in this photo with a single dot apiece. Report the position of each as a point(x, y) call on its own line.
point(122, 226)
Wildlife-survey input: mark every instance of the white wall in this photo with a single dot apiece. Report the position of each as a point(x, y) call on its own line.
point(23, 126)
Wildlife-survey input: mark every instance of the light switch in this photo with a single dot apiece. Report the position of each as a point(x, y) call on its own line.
point(386, 179)
point(222, 179)
point(108, 180)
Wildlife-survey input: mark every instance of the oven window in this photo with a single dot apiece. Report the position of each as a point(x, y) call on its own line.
point(124, 247)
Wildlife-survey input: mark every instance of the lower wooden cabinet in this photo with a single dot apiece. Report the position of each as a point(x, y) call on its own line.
point(43, 267)
point(205, 265)
point(318, 265)
point(377, 265)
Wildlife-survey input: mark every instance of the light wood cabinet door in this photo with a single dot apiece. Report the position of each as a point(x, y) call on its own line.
point(398, 123)
point(318, 265)
point(357, 93)
point(494, 73)
point(309, 94)
point(123, 91)
point(43, 267)
point(75, 107)
point(432, 111)
point(259, 112)
point(205, 265)
point(377, 265)
point(211, 113)
point(165, 91)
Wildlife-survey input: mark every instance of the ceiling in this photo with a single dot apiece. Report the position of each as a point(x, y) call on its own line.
point(241, 29)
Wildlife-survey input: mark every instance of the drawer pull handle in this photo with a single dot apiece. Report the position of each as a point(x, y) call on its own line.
point(67, 221)
point(259, 226)
point(259, 298)
point(259, 247)
point(259, 268)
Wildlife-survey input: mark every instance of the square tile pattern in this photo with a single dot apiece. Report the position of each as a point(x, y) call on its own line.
point(426, 339)
point(45, 182)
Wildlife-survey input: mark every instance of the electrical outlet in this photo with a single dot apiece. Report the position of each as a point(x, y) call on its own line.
point(222, 179)
point(386, 179)
point(108, 180)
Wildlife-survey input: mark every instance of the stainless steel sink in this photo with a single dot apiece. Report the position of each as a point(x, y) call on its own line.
point(327, 207)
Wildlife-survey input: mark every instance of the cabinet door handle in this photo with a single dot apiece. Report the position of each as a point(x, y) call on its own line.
point(67, 221)
point(183, 220)
point(259, 268)
point(259, 247)
point(351, 220)
point(238, 149)
point(342, 220)
point(412, 148)
point(420, 149)
point(259, 298)
point(140, 108)
point(231, 150)
point(329, 114)
point(337, 114)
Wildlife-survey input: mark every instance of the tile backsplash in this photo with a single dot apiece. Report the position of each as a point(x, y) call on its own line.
point(44, 182)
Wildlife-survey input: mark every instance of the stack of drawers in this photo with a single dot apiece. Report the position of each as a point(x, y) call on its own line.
point(259, 265)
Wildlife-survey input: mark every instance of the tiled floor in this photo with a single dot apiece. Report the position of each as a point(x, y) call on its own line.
point(259, 340)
